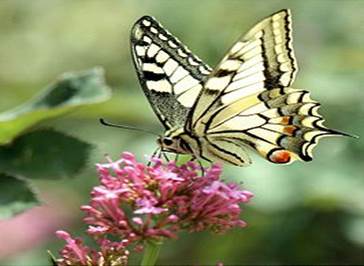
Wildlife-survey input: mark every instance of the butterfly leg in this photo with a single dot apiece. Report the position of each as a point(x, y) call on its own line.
point(202, 168)
point(176, 158)
point(165, 157)
point(157, 151)
point(194, 159)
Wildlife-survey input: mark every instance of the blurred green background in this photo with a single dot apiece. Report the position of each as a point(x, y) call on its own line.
point(304, 213)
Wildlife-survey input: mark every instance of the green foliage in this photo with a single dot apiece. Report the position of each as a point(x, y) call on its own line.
point(16, 196)
point(44, 154)
point(69, 92)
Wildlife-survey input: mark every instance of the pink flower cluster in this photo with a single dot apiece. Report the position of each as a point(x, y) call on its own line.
point(136, 202)
point(76, 252)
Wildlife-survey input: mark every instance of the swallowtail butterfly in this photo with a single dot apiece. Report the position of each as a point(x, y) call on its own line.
point(245, 102)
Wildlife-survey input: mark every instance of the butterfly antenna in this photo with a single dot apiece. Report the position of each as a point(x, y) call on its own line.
point(108, 124)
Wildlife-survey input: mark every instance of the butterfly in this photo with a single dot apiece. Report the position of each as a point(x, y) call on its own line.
point(246, 102)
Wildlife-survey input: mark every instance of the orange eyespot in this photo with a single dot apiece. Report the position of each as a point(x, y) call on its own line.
point(280, 156)
point(285, 120)
point(289, 129)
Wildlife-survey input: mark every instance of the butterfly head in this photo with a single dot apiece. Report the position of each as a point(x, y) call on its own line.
point(173, 142)
point(166, 143)
point(169, 144)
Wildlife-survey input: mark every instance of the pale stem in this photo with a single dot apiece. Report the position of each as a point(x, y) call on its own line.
point(151, 252)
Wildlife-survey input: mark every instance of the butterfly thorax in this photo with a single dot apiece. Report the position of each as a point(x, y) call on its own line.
point(178, 141)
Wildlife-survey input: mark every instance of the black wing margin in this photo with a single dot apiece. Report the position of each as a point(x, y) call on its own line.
point(170, 75)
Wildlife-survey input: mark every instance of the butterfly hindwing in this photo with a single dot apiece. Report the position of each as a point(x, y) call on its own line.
point(286, 128)
point(169, 73)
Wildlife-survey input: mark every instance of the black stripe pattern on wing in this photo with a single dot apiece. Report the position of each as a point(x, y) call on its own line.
point(169, 73)
point(290, 126)
point(262, 59)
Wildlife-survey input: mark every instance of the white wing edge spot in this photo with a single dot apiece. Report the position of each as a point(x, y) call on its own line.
point(146, 23)
point(159, 86)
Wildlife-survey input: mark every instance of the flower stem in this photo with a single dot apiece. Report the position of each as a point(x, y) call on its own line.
point(151, 253)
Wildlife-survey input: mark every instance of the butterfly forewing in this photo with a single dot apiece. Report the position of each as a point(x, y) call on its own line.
point(169, 73)
point(260, 60)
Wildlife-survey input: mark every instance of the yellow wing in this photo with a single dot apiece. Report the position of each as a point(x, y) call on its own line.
point(170, 75)
point(247, 102)
point(262, 59)
point(281, 124)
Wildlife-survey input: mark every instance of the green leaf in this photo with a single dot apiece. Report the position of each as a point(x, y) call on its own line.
point(44, 154)
point(16, 196)
point(69, 92)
